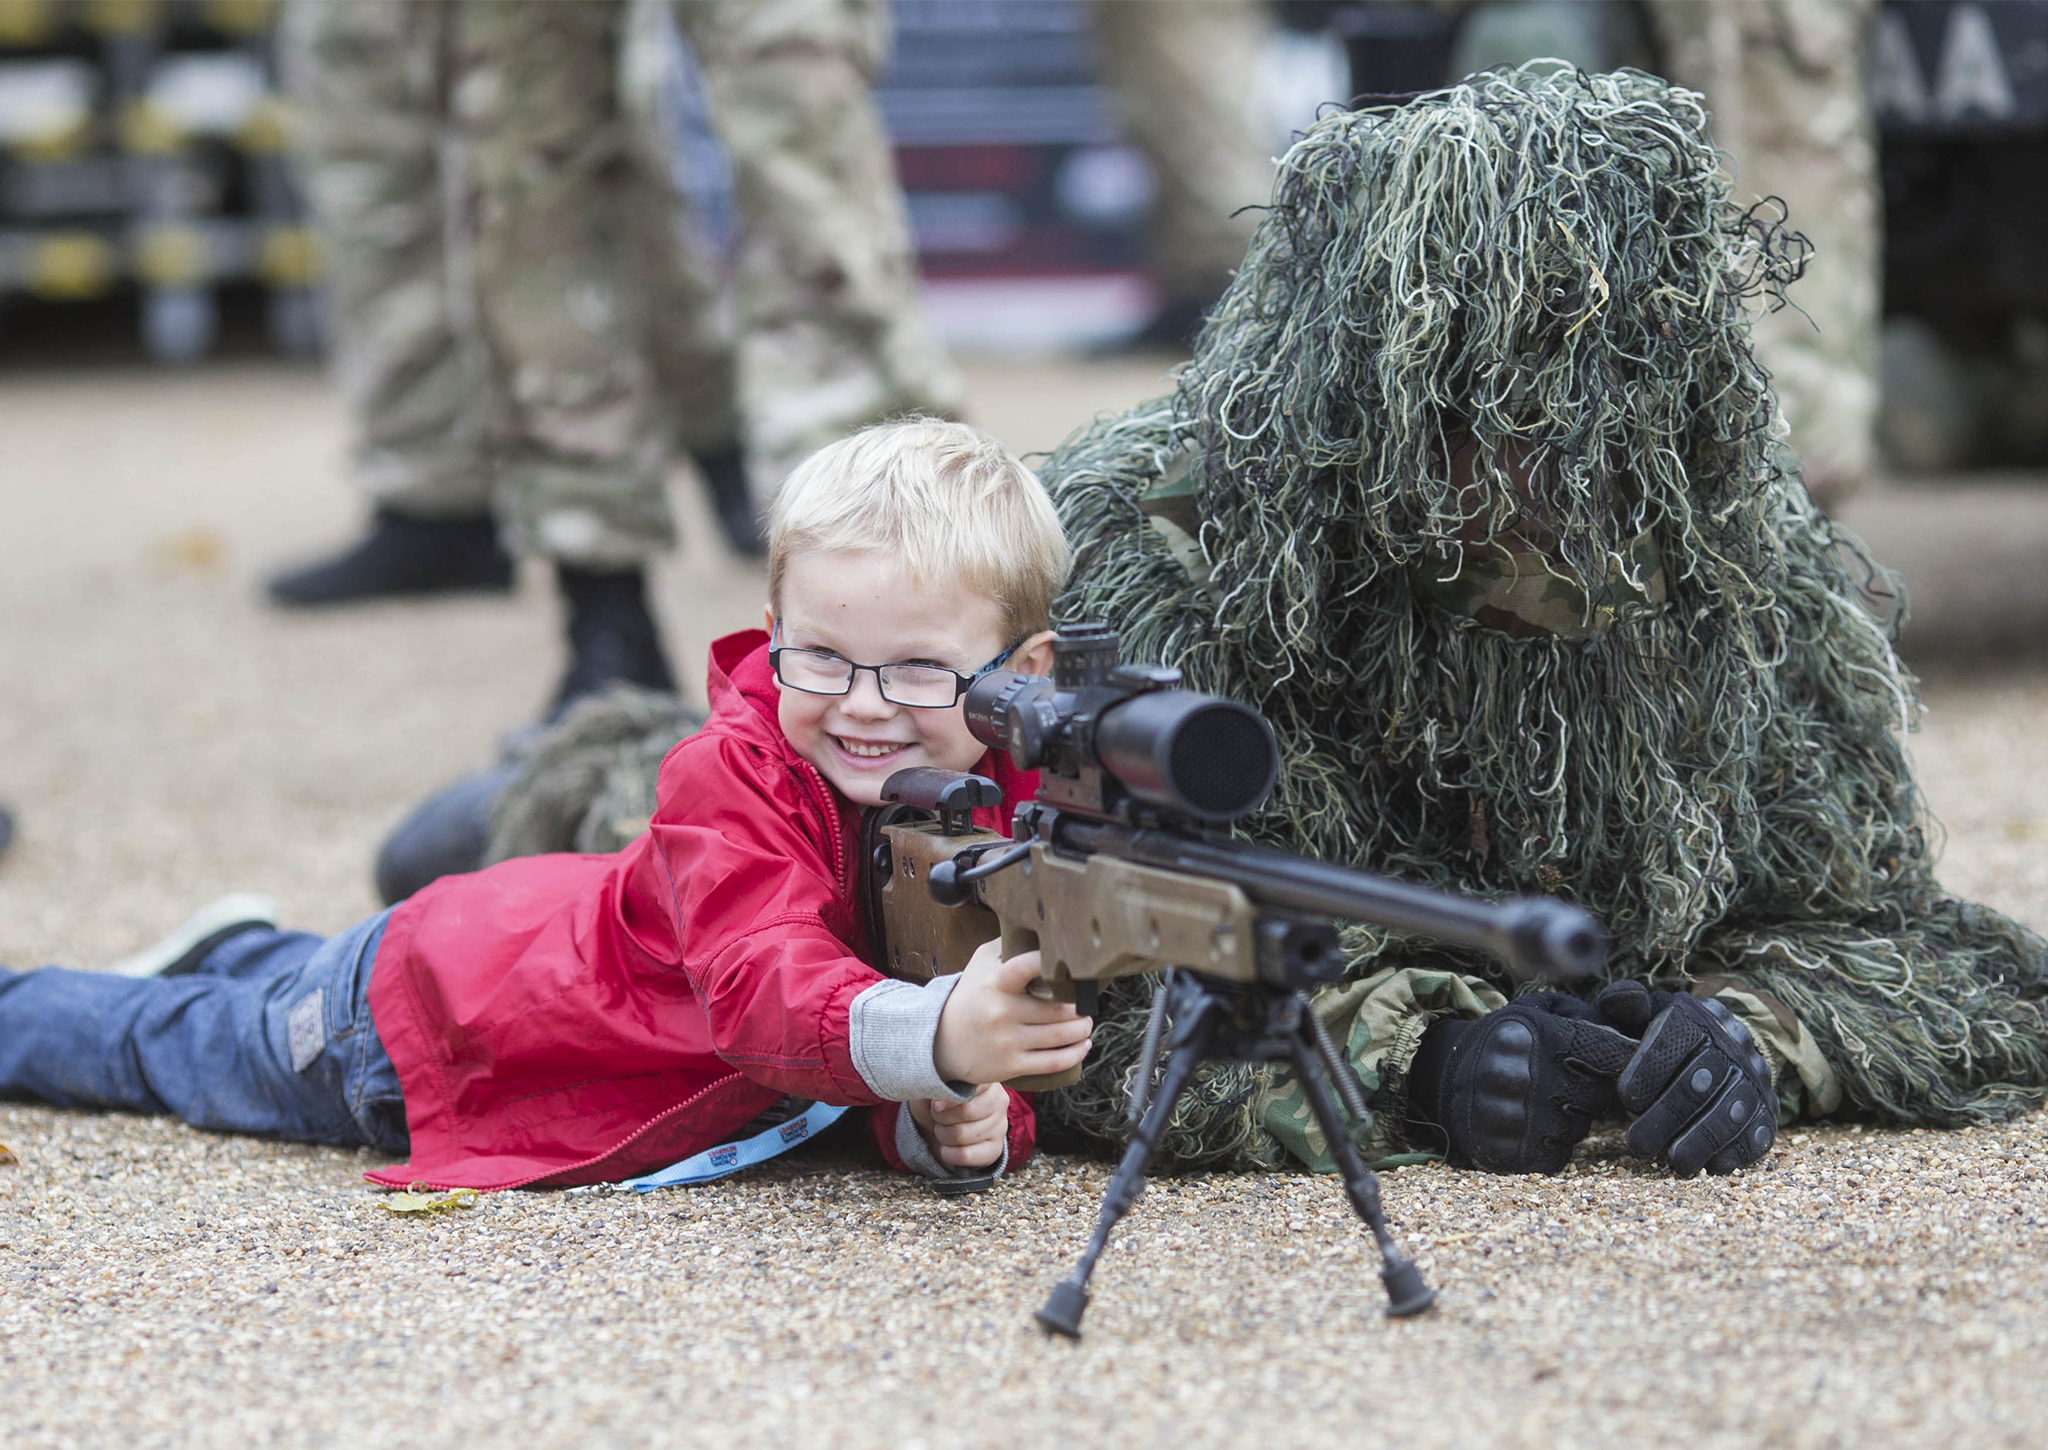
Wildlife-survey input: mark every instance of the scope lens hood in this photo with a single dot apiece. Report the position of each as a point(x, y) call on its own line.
point(1201, 755)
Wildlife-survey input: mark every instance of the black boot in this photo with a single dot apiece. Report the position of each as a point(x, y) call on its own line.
point(725, 480)
point(612, 635)
point(403, 556)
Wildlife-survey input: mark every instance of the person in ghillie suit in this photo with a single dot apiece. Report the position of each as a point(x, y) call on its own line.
point(1475, 488)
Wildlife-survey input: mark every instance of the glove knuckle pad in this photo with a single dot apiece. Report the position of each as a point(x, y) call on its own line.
point(1721, 1138)
point(1715, 1109)
point(1498, 1099)
point(1526, 1084)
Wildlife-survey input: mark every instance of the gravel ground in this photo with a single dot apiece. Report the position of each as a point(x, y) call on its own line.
point(166, 739)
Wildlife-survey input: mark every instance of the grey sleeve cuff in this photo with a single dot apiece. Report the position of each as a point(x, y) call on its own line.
point(917, 1154)
point(890, 1030)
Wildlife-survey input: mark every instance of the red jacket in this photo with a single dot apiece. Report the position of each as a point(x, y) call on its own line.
point(558, 1020)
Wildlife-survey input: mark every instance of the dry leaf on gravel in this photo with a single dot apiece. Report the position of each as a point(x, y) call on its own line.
point(414, 1201)
point(7, 1158)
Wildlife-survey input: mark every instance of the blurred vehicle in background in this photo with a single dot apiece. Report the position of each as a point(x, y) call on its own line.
point(1085, 174)
point(1961, 95)
point(141, 147)
point(1026, 205)
point(140, 158)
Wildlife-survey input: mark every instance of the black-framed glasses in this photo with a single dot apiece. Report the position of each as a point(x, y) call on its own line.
point(920, 687)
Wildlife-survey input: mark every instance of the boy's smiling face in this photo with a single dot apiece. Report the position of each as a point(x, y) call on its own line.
point(857, 605)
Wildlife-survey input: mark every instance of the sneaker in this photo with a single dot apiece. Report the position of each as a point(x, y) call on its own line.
point(612, 636)
point(403, 557)
point(180, 953)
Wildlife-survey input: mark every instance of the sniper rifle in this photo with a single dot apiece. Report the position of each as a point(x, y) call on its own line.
point(1119, 866)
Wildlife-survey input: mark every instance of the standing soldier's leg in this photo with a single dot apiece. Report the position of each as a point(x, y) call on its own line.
point(578, 446)
point(1180, 73)
point(834, 334)
point(1784, 81)
point(691, 342)
point(366, 77)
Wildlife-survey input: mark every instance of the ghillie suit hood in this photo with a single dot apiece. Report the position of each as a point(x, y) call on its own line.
point(1474, 487)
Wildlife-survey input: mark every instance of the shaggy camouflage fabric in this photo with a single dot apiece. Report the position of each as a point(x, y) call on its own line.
point(1474, 487)
point(588, 783)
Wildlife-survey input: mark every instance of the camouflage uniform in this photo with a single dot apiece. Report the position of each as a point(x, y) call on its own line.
point(517, 294)
point(552, 192)
point(834, 336)
point(513, 367)
point(1784, 79)
point(368, 79)
point(1180, 72)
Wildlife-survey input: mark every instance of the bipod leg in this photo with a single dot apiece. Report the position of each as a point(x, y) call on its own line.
point(1406, 1293)
point(1148, 1056)
point(1194, 1026)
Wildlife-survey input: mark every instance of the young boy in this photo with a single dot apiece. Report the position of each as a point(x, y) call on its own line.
point(559, 1020)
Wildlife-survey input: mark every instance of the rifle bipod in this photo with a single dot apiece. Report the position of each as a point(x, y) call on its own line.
point(1222, 1021)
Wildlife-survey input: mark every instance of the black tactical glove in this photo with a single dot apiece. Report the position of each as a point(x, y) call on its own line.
point(1516, 1090)
point(1697, 1087)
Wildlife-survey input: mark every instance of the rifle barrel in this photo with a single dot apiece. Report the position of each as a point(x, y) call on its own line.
point(1535, 936)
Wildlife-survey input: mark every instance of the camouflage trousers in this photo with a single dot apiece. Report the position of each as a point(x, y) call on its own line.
point(1784, 80)
point(526, 320)
point(1179, 72)
point(833, 335)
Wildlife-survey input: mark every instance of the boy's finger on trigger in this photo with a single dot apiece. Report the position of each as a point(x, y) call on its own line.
point(1017, 973)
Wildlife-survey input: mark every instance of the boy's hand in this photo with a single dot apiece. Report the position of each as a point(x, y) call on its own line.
point(992, 1027)
point(969, 1134)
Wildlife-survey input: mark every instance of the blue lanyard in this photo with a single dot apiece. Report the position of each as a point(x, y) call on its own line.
point(729, 1158)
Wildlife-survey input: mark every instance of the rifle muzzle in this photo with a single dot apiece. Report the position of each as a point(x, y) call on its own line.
point(1549, 939)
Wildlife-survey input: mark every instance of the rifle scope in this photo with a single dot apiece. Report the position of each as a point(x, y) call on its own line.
point(1202, 756)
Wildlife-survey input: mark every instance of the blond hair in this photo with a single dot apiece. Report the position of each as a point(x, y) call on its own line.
point(953, 505)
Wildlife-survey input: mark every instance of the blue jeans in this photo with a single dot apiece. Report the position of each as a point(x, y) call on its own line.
point(272, 1035)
